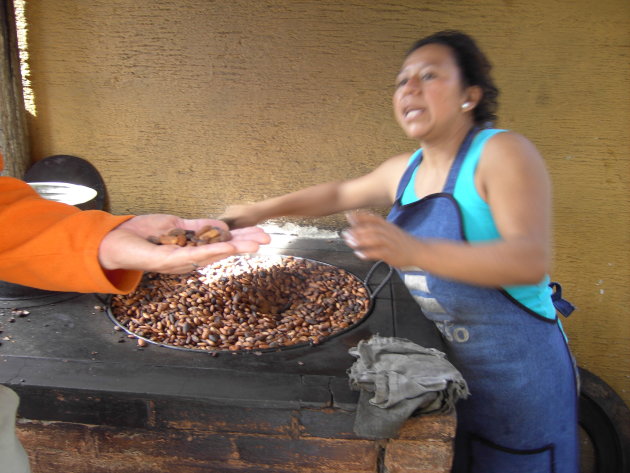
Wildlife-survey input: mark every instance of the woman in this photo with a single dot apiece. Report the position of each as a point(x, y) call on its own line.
point(470, 231)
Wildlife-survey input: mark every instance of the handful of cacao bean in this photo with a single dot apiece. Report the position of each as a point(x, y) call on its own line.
point(182, 237)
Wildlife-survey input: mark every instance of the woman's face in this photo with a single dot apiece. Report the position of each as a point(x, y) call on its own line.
point(429, 93)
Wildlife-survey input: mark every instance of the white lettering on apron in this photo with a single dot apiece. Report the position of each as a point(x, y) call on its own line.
point(417, 282)
point(429, 304)
point(453, 333)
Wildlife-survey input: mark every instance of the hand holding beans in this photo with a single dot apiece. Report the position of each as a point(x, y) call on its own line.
point(182, 237)
point(127, 246)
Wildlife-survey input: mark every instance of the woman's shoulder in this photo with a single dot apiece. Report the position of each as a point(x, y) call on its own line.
point(387, 175)
point(508, 145)
point(396, 164)
point(501, 140)
point(509, 152)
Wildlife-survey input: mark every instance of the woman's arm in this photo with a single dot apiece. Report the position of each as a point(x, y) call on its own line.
point(374, 189)
point(512, 178)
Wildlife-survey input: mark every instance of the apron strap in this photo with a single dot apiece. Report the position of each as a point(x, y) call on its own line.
point(449, 185)
point(562, 305)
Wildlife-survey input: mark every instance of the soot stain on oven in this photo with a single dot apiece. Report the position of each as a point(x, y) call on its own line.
point(249, 303)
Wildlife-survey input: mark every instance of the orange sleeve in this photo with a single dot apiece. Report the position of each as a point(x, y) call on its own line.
point(54, 246)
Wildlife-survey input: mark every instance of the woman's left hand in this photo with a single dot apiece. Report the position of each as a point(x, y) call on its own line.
point(374, 238)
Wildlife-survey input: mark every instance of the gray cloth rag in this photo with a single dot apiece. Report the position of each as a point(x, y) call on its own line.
point(397, 378)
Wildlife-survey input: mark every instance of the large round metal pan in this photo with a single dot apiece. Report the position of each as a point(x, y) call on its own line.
point(279, 258)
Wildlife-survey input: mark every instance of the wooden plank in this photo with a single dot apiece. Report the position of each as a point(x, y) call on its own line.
point(408, 456)
point(14, 144)
point(76, 448)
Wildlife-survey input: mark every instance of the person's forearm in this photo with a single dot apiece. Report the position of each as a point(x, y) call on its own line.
point(518, 260)
point(493, 264)
point(315, 201)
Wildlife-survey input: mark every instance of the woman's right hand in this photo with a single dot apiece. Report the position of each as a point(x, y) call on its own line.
point(240, 216)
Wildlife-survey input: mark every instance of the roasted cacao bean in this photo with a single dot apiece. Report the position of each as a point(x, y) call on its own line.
point(244, 303)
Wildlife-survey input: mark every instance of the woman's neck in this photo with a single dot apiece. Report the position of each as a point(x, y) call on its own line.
point(442, 150)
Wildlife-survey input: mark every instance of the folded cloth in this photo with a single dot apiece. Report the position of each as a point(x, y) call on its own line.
point(397, 378)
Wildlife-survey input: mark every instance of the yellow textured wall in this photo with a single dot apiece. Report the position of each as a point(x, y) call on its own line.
point(187, 106)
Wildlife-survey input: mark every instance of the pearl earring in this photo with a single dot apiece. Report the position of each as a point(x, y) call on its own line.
point(465, 105)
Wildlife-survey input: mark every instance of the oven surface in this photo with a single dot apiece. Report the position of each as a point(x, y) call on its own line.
point(72, 344)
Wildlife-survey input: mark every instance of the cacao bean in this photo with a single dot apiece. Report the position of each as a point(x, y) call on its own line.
point(244, 303)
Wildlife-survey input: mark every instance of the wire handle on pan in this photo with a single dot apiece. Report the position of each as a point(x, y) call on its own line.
point(366, 281)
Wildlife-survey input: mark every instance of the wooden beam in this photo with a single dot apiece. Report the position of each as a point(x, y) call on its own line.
point(14, 144)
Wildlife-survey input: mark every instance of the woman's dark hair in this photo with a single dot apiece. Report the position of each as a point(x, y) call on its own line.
point(474, 66)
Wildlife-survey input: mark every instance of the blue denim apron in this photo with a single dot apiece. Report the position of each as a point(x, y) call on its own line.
point(521, 415)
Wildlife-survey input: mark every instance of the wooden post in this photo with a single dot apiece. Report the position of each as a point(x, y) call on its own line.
point(14, 144)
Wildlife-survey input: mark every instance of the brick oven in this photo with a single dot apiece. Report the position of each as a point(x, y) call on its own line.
point(93, 400)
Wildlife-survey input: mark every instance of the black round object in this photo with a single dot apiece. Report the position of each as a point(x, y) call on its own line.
point(72, 170)
point(605, 419)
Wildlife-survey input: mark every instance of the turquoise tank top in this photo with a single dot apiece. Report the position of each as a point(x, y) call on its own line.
point(479, 224)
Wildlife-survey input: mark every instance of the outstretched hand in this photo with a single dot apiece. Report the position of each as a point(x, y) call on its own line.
point(374, 238)
point(240, 216)
point(127, 247)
